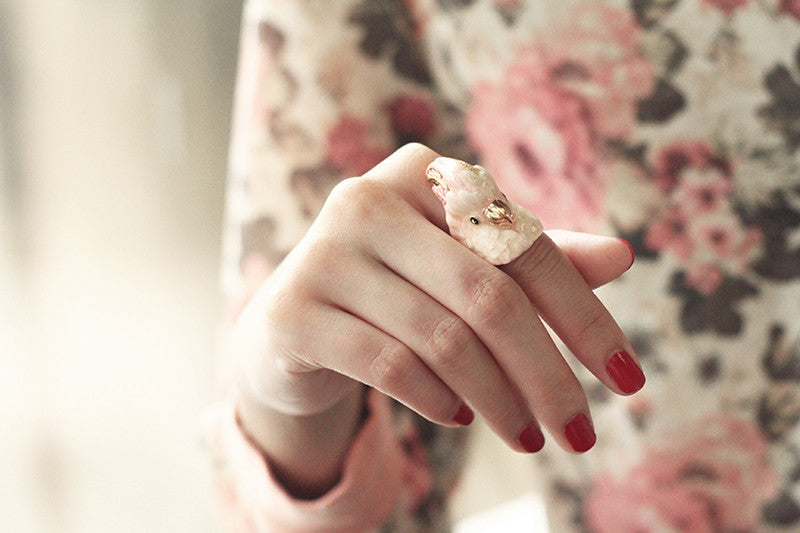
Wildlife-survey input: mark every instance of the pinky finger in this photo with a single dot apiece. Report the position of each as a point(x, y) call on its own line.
point(364, 353)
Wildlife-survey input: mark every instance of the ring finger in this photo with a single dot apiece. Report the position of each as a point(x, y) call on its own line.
point(446, 345)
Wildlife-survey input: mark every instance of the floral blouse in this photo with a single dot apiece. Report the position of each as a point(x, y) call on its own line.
point(674, 124)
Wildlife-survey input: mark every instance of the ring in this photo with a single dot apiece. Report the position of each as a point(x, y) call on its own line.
point(478, 214)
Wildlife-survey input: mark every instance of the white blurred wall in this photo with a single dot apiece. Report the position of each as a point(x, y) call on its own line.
point(114, 118)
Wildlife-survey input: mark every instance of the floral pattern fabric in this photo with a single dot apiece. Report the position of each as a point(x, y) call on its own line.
point(672, 123)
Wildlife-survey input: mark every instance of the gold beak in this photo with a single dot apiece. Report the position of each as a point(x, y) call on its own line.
point(436, 179)
point(499, 213)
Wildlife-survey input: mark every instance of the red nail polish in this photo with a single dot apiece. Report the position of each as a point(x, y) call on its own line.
point(630, 249)
point(465, 416)
point(580, 433)
point(625, 372)
point(531, 439)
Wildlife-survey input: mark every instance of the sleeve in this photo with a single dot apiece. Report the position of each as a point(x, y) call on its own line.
point(325, 90)
point(375, 483)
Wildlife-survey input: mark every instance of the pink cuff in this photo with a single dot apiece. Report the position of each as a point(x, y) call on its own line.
point(370, 488)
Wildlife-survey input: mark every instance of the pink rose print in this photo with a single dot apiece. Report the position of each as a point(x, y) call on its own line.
point(713, 478)
point(698, 224)
point(727, 6)
point(536, 140)
point(706, 193)
point(706, 277)
point(724, 237)
point(669, 232)
point(412, 117)
point(349, 148)
point(540, 129)
point(596, 54)
point(681, 157)
point(790, 7)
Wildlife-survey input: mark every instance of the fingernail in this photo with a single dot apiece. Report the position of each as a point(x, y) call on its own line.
point(580, 433)
point(625, 372)
point(531, 439)
point(465, 416)
point(630, 249)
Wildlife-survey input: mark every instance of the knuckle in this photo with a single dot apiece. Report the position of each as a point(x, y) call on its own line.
point(356, 199)
point(279, 331)
point(389, 368)
point(416, 149)
point(447, 342)
point(493, 297)
point(343, 190)
point(283, 304)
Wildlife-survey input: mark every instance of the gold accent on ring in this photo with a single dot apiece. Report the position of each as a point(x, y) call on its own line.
point(435, 178)
point(499, 213)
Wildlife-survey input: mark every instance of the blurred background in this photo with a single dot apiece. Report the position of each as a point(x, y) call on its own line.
point(114, 126)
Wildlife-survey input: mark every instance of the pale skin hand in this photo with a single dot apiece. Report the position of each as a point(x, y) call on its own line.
point(377, 293)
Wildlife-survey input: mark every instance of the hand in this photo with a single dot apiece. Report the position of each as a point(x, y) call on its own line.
point(378, 293)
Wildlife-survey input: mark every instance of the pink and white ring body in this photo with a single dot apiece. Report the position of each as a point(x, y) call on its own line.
point(478, 214)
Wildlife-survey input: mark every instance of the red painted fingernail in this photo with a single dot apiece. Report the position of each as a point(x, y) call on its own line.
point(630, 249)
point(580, 433)
point(531, 439)
point(625, 372)
point(465, 416)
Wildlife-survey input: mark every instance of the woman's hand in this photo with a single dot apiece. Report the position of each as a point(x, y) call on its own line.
point(378, 293)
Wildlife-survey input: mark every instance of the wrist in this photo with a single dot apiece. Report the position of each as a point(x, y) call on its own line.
point(306, 452)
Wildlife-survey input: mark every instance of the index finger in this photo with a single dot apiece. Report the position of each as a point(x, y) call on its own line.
point(577, 316)
point(554, 284)
point(598, 259)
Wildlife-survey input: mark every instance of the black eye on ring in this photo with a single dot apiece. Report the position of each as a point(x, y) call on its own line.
point(474, 220)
